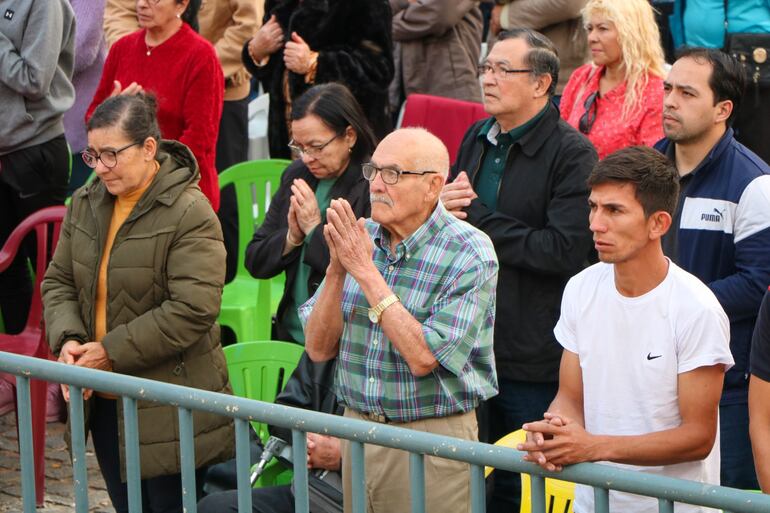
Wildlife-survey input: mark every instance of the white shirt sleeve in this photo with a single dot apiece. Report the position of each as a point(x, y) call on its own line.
point(565, 331)
point(703, 339)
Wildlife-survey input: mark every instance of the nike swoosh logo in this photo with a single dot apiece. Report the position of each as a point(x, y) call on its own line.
point(651, 357)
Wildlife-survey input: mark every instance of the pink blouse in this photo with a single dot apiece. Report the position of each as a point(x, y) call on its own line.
point(609, 132)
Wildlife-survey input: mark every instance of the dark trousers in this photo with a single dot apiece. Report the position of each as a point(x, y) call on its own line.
point(752, 123)
point(274, 499)
point(159, 494)
point(30, 179)
point(737, 461)
point(517, 403)
point(232, 148)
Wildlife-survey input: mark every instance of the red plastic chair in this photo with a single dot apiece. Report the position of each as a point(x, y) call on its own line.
point(446, 118)
point(31, 341)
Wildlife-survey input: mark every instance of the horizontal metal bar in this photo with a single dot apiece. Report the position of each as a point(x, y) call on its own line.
point(390, 435)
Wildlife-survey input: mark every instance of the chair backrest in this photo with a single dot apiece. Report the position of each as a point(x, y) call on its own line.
point(259, 370)
point(559, 495)
point(255, 183)
point(446, 118)
point(46, 223)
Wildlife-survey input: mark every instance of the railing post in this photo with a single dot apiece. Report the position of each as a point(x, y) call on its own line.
point(133, 469)
point(299, 454)
point(537, 491)
point(478, 490)
point(187, 461)
point(665, 506)
point(242, 462)
point(358, 476)
point(417, 481)
point(78, 433)
point(601, 500)
point(26, 451)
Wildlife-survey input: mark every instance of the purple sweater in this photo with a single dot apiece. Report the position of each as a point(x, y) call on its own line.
point(90, 52)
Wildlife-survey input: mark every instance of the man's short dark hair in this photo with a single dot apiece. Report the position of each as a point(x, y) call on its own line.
point(543, 57)
point(728, 77)
point(654, 178)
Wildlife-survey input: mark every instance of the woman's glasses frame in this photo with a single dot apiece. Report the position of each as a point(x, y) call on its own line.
point(310, 151)
point(108, 157)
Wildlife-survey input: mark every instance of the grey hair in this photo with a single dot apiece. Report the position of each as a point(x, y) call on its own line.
point(542, 58)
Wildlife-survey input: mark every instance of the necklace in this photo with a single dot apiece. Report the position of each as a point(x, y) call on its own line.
point(149, 49)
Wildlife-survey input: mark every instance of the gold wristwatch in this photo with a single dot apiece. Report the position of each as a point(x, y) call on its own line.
point(376, 313)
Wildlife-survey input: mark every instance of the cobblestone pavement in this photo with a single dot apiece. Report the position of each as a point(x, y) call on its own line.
point(59, 491)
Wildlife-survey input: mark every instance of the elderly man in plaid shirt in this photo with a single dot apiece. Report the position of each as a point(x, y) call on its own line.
point(408, 307)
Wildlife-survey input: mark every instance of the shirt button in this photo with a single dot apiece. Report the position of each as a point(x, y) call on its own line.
point(408, 256)
point(390, 268)
point(375, 342)
point(371, 380)
point(497, 161)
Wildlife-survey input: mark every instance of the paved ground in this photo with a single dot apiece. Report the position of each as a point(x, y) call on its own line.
point(59, 493)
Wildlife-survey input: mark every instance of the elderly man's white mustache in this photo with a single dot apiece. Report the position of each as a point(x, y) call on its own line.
point(380, 198)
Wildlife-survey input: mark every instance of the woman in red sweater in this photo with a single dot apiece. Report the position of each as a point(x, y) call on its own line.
point(169, 59)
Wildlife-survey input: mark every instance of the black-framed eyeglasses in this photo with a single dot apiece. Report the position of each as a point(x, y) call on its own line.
point(389, 175)
point(108, 157)
point(310, 151)
point(501, 72)
point(591, 105)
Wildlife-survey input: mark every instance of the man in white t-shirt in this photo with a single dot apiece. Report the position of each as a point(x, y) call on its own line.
point(646, 345)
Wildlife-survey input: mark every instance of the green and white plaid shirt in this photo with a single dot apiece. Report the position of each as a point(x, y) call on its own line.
point(445, 274)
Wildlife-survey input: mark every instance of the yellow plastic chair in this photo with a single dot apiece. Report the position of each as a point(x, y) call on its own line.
point(559, 495)
point(248, 304)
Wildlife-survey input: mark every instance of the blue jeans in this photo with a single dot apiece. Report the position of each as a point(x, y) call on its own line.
point(737, 460)
point(517, 403)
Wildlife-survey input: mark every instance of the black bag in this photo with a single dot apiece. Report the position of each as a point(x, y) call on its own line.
point(753, 52)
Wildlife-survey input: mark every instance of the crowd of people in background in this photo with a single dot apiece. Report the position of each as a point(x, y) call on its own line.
point(594, 265)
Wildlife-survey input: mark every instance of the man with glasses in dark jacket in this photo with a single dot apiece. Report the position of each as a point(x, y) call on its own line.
point(520, 177)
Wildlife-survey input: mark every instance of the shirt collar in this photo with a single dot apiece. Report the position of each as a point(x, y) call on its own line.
point(713, 152)
point(410, 245)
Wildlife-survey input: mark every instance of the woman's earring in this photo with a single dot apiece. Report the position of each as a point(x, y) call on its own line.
point(179, 15)
point(350, 149)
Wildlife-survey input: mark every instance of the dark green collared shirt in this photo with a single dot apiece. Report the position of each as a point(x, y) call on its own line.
point(498, 144)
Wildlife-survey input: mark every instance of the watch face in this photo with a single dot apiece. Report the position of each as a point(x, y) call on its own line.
point(373, 316)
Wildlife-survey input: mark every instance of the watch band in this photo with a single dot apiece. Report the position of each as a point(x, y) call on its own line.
point(376, 311)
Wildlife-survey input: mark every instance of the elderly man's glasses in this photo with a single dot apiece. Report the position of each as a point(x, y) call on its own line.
point(588, 118)
point(389, 175)
point(310, 151)
point(501, 72)
point(108, 157)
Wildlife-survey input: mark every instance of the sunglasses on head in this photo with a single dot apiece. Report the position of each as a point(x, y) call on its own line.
point(589, 116)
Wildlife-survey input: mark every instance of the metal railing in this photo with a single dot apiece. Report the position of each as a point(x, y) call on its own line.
point(602, 477)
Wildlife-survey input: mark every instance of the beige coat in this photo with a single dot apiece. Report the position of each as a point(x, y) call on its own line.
point(226, 24)
point(560, 21)
point(440, 42)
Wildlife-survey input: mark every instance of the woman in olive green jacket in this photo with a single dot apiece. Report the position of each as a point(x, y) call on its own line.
point(135, 288)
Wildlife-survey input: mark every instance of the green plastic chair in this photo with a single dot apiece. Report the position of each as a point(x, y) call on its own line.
point(259, 370)
point(248, 304)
